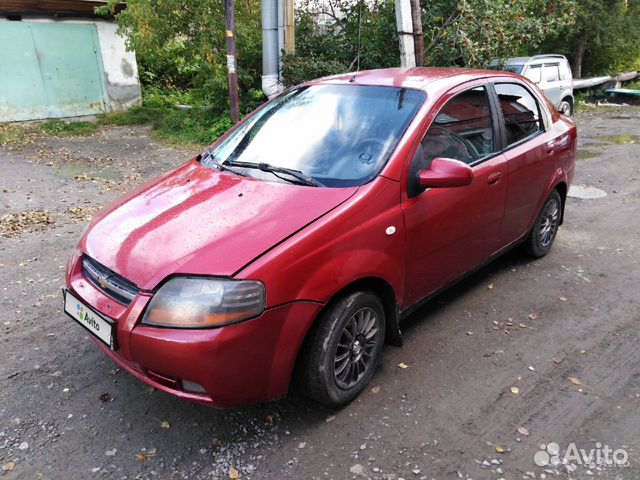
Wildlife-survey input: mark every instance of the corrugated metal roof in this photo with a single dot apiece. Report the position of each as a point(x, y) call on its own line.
point(53, 7)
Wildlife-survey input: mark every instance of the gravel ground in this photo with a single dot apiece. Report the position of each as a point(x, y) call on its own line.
point(522, 353)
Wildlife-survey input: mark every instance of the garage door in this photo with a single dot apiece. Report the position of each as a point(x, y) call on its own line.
point(49, 70)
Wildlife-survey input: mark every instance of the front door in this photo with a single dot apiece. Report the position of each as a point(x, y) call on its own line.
point(449, 231)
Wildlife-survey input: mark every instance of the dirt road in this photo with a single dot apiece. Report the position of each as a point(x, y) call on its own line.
point(521, 354)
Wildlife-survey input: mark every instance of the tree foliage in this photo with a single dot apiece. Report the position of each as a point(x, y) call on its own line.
point(181, 44)
point(607, 32)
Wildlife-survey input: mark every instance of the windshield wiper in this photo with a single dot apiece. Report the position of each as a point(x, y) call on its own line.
point(265, 167)
point(209, 159)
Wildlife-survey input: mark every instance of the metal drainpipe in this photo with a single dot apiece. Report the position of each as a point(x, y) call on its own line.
point(270, 48)
point(280, 7)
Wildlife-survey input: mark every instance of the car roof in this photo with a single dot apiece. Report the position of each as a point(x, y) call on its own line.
point(412, 77)
point(534, 59)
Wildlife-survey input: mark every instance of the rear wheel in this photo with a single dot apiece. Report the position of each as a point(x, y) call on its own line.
point(545, 228)
point(565, 107)
point(343, 350)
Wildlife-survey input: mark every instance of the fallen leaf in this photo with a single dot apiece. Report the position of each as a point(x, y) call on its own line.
point(216, 442)
point(9, 466)
point(522, 325)
point(165, 424)
point(142, 456)
point(403, 365)
point(233, 473)
point(563, 299)
point(499, 449)
point(515, 390)
point(105, 397)
point(556, 360)
point(469, 333)
point(111, 453)
point(270, 418)
point(575, 381)
point(533, 316)
point(302, 444)
point(519, 378)
point(490, 286)
point(523, 431)
point(375, 389)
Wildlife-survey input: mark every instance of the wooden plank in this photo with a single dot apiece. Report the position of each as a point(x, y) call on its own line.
point(53, 7)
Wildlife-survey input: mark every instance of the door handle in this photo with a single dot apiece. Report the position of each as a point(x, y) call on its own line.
point(551, 146)
point(494, 177)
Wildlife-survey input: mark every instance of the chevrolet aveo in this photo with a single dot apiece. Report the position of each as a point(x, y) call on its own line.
point(294, 245)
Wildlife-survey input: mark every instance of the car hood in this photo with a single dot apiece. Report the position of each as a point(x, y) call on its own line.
point(196, 220)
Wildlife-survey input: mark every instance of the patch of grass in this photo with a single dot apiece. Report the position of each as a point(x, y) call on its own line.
point(60, 128)
point(195, 127)
point(133, 116)
point(635, 85)
point(12, 134)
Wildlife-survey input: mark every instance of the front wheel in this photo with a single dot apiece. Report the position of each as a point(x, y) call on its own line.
point(343, 350)
point(545, 228)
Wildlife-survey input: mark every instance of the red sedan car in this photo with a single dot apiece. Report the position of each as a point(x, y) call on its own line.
point(297, 242)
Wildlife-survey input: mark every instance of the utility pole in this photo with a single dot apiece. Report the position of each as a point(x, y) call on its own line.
point(289, 27)
point(404, 25)
point(418, 37)
point(232, 67)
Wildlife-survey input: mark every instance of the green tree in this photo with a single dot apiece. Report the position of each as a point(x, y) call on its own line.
point(457, 32)
point(604, 38)
point(181, 43)
point(473, 32)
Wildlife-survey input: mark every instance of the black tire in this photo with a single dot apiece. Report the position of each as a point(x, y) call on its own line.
point(566, 107)
point(324, 347)
point(545, 229)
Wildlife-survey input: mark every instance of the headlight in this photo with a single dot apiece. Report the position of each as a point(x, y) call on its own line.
point(199, 302)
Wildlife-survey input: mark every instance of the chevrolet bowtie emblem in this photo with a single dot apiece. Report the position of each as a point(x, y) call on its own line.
point(103, 282)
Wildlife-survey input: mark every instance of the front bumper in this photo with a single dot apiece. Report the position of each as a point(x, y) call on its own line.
point(238, 364)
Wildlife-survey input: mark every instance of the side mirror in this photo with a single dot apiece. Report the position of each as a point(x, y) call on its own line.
point(445, 172)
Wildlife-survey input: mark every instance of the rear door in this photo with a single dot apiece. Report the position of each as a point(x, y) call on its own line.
point(528, 150)
point(551, 84)
point(449, 231)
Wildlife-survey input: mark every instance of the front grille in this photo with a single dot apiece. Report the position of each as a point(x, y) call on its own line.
point(108, 281)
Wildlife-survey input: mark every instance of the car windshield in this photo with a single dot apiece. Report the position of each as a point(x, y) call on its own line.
point(339, 135)
point(515, 68)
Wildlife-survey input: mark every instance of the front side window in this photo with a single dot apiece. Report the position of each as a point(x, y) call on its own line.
point(339, 135)
point(462, 129)
point(520, 111)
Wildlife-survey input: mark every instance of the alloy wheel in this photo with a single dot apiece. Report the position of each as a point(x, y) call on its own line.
point(549, 223)
point(353, 355)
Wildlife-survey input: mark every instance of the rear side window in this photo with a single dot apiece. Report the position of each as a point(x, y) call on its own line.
point(534, 74)
point(462, 129)
point(551, 73)
point(520, 110)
